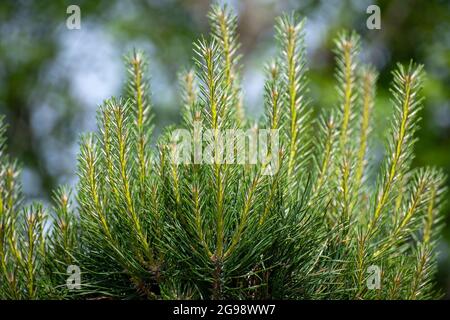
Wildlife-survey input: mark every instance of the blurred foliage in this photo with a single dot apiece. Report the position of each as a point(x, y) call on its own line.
point(45, 114)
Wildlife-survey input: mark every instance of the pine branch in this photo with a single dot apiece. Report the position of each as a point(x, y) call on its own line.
point(223, 30)
point(369, 77)
point(325, 154)
point(407, 83)
point(290, 35)
point(138, 91)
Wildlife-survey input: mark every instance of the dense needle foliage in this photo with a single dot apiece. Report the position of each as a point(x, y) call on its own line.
point(144, 226)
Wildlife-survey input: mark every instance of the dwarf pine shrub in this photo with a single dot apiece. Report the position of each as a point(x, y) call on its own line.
point(317, 227)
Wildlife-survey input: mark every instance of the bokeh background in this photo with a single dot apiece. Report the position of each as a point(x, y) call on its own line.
point(52, 79)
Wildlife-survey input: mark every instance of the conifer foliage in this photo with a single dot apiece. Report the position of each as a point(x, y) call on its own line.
point(146, 227)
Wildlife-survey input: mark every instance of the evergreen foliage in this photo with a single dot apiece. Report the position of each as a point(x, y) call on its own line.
point(146, 227)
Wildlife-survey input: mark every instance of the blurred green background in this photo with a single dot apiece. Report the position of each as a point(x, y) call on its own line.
point(52, 79)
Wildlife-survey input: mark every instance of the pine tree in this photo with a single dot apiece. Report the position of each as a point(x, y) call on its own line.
point(147, 227)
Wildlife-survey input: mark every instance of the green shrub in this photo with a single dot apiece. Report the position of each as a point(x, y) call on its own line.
point(146, 226)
